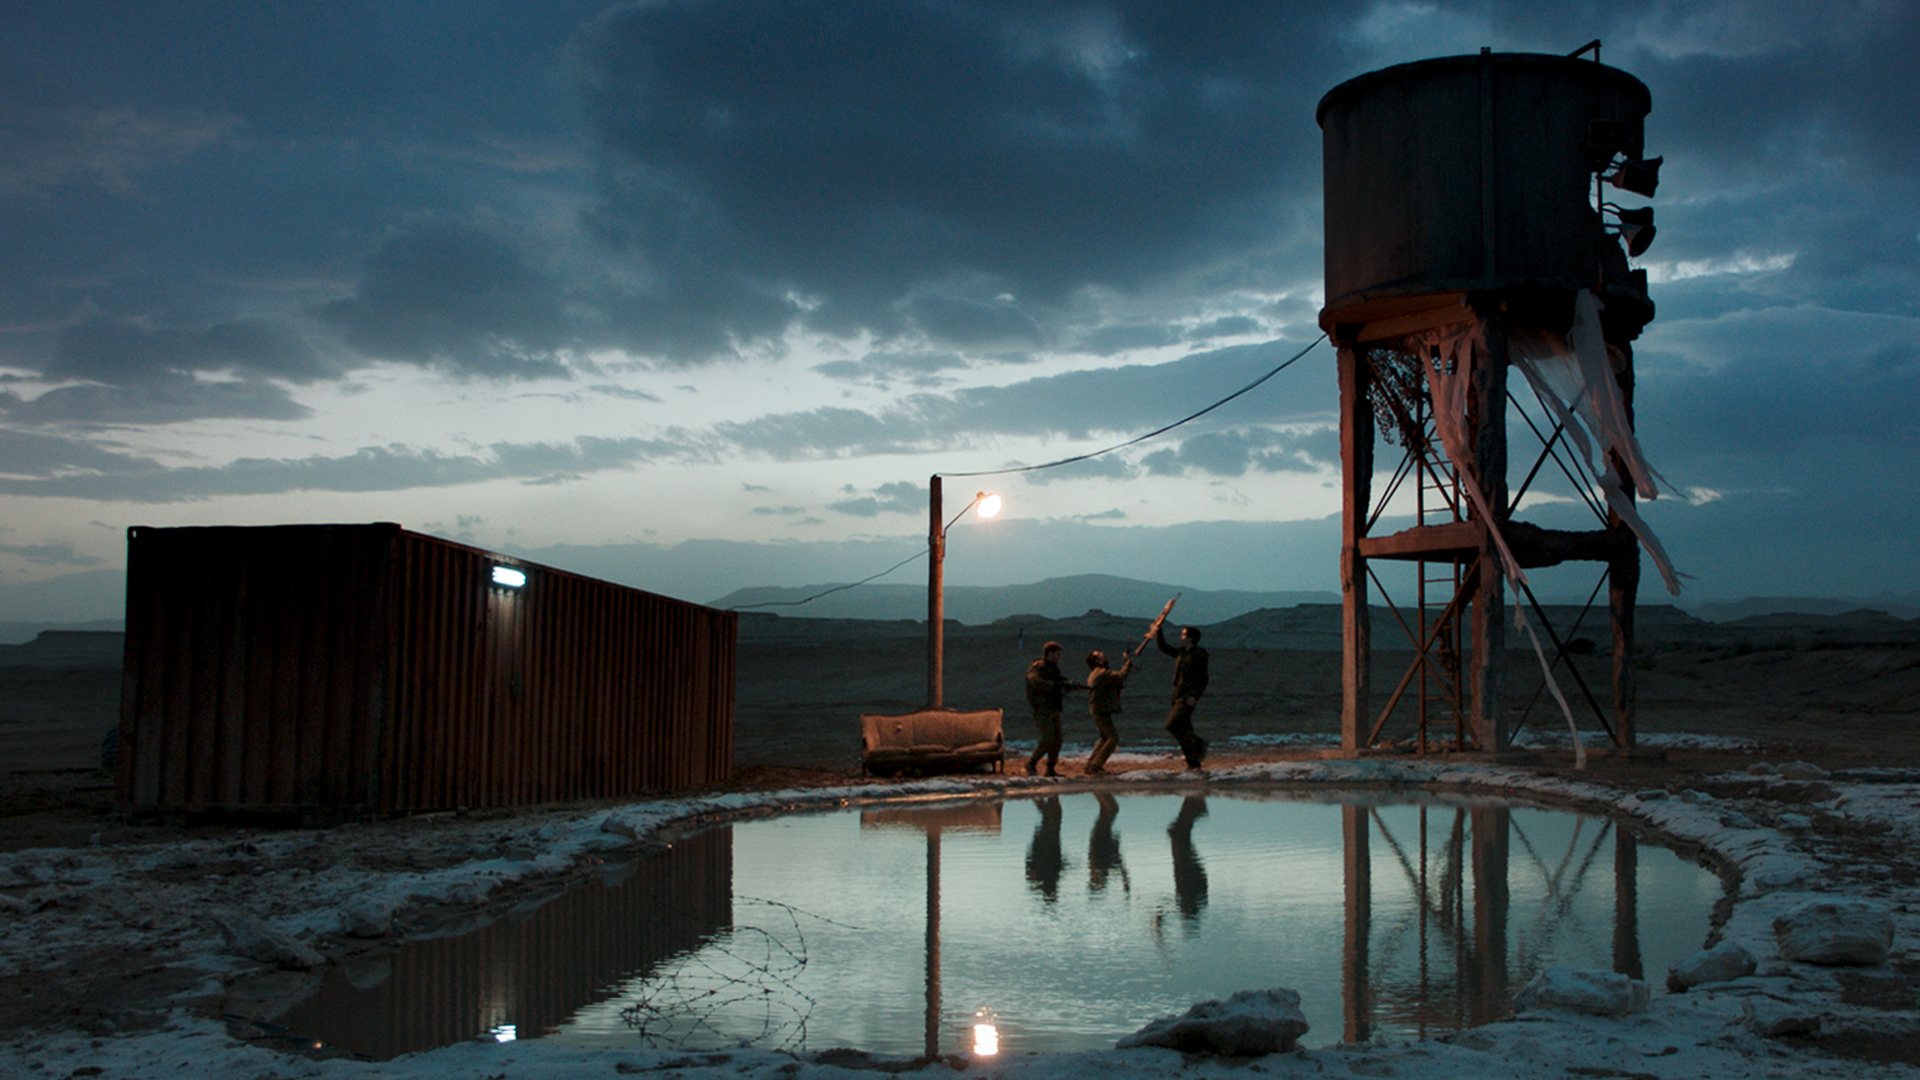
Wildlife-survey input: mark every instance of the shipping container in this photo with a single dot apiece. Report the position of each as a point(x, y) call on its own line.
point(353, 670)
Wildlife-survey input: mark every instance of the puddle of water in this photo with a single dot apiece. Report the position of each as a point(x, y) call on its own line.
point(1067, 921)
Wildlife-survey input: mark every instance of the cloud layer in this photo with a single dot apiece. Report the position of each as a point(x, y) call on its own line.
point(380, 248)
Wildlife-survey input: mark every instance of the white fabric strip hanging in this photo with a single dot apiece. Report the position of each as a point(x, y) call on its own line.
point(1574, 378)
point(1450, 357)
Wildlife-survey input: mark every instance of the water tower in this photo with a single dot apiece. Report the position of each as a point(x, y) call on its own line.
point(1479, 292)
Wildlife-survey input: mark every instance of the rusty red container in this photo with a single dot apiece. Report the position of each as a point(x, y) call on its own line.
point(342, 670)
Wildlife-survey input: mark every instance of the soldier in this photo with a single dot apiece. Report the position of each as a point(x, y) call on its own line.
point(1046, 692)
point(1189, 682)
point(1103, 700)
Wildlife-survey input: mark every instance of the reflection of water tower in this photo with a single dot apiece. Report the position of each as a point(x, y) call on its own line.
point(1470, 233)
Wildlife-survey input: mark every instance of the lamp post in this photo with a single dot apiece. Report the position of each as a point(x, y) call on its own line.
point(937, 587)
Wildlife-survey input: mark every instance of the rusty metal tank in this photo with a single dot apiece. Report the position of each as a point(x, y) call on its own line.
point(1471, 174)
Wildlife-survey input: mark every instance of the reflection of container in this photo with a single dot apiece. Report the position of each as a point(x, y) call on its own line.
point(330, 670)
point(535, 970)
point(1469, 173)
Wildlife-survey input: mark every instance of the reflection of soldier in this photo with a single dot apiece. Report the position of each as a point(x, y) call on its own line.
point(1043, 855)
point(1103, 847)
point(1189, 876)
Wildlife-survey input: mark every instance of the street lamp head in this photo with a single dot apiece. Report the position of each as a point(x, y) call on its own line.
point(989, 504)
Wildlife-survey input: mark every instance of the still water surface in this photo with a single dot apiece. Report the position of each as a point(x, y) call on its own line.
point(1066, 920)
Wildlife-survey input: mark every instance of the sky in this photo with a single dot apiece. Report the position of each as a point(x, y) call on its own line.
point(697, 295)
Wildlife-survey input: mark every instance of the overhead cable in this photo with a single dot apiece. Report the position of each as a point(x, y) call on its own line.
point(1284, 365)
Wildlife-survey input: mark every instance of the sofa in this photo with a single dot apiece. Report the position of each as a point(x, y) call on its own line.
point(932, 741)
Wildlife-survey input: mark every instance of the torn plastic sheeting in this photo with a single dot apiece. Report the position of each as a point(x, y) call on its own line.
point(1573, 377)
point(1449, 390)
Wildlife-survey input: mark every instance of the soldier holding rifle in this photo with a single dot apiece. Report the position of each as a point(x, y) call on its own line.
point(1189, 682)
point(1103, 700)
point(1046, 690)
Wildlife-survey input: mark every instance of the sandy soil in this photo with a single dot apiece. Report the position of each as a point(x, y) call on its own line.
point(1842, 693)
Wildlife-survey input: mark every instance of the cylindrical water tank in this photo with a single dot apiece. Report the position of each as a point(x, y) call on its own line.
point(1470, 173)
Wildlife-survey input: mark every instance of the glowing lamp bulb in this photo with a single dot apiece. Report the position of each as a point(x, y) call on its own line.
point(508, 577)
point(989, 504)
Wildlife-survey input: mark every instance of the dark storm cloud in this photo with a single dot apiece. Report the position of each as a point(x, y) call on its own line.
point(111, 477)
point(895, 498)
point(826, 432)
point(883, 367)
point(49, 554)
point(181, 163)
point(625, 392)
point(966, 322)
point(29, 454)
point(1077, 404)
point(1115, 466)
point(1835, 77)
point(119, 351)
point(953, 170)
point(165, 398)
point(117, 371)
point(112, 149)
point(1123, 337)
point(1792, 125)
point(1776, 390)
point(458, 299)
point(1238, 451)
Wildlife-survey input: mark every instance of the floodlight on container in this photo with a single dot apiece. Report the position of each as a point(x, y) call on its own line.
point(509, 577)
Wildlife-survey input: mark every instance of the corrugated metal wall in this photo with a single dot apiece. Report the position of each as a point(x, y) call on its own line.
point(367, 669)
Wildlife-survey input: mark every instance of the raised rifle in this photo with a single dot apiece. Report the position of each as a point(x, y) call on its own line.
point(1161, 620)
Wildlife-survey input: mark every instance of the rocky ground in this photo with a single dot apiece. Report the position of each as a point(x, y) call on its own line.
point(1796, 739)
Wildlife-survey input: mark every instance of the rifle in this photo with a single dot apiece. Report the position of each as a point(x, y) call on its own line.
point(1161, 621)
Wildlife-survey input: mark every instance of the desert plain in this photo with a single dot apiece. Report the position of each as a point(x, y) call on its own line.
point(1721, 709)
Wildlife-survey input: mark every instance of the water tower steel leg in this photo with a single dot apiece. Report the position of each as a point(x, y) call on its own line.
point(1489, 405)
point(1356, 456)
point(1623, 588)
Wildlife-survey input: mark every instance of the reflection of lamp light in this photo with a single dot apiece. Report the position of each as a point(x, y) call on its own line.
point(1637, 176)
point(509, 577)
point(986, 1039)
point(936, 584)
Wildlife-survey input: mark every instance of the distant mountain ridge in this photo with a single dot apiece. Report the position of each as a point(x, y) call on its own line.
point(1053, 598)
point(1898, 606)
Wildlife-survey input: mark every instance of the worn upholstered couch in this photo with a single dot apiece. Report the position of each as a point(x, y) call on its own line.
point(932, 740)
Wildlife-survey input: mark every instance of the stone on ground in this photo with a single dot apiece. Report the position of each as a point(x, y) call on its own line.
point(1250, 1023)
point(1583, 990)
point(1835, 932)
